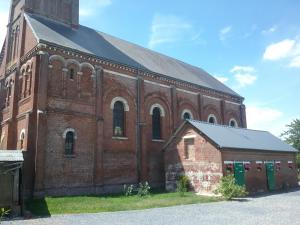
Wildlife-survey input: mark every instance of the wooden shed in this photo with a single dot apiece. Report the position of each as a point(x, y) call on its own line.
point(11, 163)
point(205, 152)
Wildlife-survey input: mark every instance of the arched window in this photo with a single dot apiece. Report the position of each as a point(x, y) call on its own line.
point(233, 123)
point(71, 74)
point(156, 124)
point(69, 143)
point(186, 114)
point(119, 119)
point(212, 119)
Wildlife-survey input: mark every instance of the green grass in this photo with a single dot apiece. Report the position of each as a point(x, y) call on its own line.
point(94, 204)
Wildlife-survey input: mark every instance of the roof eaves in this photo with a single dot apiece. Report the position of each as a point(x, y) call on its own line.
point(256, 149)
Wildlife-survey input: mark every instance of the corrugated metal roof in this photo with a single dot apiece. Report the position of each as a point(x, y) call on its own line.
point(102, 45)
point(11, 156)
point(240, 138)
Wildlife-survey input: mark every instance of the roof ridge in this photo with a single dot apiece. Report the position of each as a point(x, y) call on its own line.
point(227, 126)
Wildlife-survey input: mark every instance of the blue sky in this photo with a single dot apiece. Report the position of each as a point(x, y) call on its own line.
point(251, 46)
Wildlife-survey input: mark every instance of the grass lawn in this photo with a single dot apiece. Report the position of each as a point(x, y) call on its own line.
point(94, 204)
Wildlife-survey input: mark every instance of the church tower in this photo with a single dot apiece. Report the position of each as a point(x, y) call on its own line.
point(63, 11)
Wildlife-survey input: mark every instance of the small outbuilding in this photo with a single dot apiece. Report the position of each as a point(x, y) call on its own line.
point(205, 152)
point(11, 163)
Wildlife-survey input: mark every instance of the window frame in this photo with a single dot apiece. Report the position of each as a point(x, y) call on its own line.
point(122, 120)
point(234, 121)
point(156, 118)
point(65, 137)
point(212, 116)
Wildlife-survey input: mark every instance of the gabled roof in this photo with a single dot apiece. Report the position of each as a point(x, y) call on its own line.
point(226, 137)
point(104, 46)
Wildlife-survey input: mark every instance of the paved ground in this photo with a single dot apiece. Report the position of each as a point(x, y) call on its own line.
point(269, 210)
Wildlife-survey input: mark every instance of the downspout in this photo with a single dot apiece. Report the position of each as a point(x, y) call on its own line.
point(138, 133)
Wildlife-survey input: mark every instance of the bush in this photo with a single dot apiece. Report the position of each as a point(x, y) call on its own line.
point(144, 189)
point(3, 212)
point(182, 185)
point(128, 190)
point(229, 189)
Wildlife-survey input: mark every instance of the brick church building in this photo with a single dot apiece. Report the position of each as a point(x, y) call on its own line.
point(91, 111)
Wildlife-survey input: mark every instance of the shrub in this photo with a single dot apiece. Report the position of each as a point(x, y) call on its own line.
point(128, 190)
point(229, 189)
point(182, 185)
point(3, 212)
point(144, 189)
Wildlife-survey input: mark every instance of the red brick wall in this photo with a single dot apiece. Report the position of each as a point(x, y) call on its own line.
point(255, 180)
point(62, 170)
point(204, 171)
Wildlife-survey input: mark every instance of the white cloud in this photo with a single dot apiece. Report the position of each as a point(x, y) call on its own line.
point(295, 62)
point(265, 118)
point(224, 33)
point(279, 50)
point(242, 69)
point(244, 75)
point(270, 30)
point(221, 78)
point(170, 29)
point(245, 79)
point(91, 7)
point(288, 49)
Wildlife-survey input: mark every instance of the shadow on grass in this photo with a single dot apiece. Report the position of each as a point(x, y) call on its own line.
point(38, 207)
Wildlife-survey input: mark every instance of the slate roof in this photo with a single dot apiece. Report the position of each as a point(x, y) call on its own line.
point(102, 45)
point(226, 137)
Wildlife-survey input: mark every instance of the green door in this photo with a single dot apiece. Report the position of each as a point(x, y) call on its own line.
point(270, 176)
point(239, 173)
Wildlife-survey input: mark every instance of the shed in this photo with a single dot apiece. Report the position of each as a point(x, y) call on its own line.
point(205, 152)
point(11, 162)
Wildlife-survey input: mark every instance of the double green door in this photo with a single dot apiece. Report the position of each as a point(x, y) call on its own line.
point(270, 176)
point(239, 173)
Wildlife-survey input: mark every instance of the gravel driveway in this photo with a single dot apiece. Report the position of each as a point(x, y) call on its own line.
point(274, 209)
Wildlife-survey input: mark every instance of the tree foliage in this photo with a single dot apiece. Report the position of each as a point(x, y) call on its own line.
point(292, 136)
point(229, 189)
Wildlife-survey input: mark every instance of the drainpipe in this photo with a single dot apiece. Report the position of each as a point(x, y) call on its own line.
point(138, 130)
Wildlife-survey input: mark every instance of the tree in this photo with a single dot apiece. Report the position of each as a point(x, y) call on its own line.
point(292, 136)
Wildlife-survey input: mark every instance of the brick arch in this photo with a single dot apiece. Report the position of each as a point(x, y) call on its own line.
point(153, 98)
point(119, 90)
point(110, 95)
point(186, 105)
point(59, 58)
point(26, 67)
point(72, 62)
point(157, 99)
point(232, 115)
point(88, 65)
point(212, 109)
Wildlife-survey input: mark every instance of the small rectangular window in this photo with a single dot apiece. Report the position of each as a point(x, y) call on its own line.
point(189, 148)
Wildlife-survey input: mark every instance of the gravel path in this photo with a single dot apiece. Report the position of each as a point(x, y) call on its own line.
point(269, 210)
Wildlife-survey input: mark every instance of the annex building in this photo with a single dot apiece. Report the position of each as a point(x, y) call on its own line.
point(90, 111)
